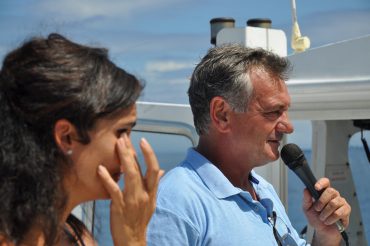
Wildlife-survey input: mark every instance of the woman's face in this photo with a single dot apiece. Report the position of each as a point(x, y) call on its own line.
point(83, 182)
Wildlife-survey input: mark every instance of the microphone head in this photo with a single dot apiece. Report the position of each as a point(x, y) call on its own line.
point(291, 154)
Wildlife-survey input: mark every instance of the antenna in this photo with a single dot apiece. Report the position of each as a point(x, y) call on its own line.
point(299, 43)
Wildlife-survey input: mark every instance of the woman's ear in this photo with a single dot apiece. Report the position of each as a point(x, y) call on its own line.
point(64, 134)
point(220, 113)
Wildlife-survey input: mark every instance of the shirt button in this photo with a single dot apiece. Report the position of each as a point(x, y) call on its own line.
point(256, 208)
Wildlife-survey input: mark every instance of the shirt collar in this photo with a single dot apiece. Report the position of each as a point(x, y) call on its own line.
point(213, 178)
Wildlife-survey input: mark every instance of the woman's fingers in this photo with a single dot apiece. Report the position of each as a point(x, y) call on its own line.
point(129, 221)
point(110, 185)
point(132, 150)
point(153, 172)
point(129, 165)
point(131, 168)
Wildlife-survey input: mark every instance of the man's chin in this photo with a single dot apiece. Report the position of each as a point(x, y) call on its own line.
point(271, 157)
point(274, 153)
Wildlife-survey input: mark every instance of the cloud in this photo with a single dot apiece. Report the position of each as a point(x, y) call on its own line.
point(88, 8)
point(167, 66)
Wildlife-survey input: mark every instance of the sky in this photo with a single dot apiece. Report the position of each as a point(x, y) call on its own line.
point(161, 41)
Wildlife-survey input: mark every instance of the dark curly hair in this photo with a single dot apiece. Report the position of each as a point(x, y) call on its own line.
point(44, 80)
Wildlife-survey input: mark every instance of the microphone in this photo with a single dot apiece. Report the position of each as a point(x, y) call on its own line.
point(294, 158)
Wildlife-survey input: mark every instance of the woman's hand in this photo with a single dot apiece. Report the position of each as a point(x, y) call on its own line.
point(132, 208)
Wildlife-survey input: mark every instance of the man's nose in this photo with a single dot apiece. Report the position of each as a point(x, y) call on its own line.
point(284, 125)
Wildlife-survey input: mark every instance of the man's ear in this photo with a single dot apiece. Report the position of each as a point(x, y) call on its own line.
point(220, 113)
point(64, 134)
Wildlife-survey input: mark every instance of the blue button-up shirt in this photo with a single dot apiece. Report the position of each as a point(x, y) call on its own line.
point(197, 205)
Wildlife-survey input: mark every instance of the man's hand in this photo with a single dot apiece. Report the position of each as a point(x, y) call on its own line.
point(323, 213)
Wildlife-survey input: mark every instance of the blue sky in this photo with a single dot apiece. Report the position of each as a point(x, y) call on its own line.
point(160, 41)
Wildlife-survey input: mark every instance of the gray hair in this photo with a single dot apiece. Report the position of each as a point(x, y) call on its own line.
point(225, 71)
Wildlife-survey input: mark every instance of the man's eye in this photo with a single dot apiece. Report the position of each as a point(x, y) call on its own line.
point(273, 114)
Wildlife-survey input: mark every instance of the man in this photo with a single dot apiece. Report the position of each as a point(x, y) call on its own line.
point(239, 101)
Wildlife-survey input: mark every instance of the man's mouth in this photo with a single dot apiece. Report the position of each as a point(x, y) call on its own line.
point(274, 141)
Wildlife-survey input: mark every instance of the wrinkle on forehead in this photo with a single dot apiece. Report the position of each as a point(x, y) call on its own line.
point(271, 80)
point(269, 90)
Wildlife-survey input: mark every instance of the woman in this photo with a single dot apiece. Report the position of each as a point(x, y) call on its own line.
point(66, 116)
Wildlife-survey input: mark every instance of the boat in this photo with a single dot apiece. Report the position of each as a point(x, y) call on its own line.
point(330, 89)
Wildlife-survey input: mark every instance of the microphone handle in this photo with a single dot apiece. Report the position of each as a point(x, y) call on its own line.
point(305, 174)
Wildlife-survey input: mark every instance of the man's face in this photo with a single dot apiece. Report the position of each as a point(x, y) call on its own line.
point(258, 132)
